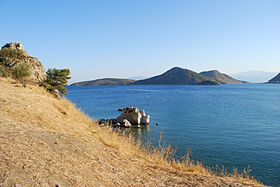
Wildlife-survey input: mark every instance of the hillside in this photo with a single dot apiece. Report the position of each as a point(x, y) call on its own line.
point(46, 141)
point(275, 80)
point(104, 82)
point(178, 76)
point(221, 77)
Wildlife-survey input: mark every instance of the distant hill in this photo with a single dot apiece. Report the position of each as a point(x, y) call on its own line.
point(254, 76)
point(137, 78)
point(221, 77)
point(104, 82)
point(178, 76)
point(275, 80)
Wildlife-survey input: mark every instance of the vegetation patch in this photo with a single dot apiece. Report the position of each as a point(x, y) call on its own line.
point(12, 53)
point(56, 81)
point(20, 72)
point(4, 71)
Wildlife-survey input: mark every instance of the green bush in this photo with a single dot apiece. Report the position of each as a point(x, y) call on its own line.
point(56, 81)
point(3, 61)
point(3, 71)
point(20, 72)
point(11, 53)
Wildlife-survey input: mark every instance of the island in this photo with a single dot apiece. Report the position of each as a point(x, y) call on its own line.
point(275, 80)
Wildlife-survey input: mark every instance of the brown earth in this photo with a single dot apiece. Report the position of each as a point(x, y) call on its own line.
point(46, 141)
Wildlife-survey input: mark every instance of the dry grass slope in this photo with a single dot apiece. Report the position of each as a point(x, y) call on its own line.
point(46, 141)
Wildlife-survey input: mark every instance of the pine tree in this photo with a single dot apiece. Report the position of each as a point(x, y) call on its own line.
point(57, 80)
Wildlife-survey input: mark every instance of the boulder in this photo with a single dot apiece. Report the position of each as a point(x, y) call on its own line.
point(102, 121)
point(143, 112)
point(113, 121)
point(116, 125)
point(134, 116)
point(126, 123)
point(145, 119)
point(131, 116)
point(16, 45)
point(99, 121)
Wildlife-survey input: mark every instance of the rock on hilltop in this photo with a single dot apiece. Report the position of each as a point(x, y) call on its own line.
point(37, 69)
point(18, 46)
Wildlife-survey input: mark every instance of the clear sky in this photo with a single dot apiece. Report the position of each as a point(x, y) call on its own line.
point(124, 38)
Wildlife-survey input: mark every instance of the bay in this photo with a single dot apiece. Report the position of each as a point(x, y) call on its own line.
point(230, 125)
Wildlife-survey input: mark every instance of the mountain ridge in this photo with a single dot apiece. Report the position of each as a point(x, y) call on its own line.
point(178, 76)
point(275, 80)
point(221, 77)
point(104, 82)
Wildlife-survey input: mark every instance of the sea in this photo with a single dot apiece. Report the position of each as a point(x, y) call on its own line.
point(230, 125)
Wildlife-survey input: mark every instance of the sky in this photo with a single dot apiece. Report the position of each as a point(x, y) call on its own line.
point(128, 38)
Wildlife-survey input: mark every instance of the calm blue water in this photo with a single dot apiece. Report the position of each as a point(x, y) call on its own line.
point(228, 125)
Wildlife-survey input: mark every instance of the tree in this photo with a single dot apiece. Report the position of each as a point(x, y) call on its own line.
point(20, 72)
point(57, 80)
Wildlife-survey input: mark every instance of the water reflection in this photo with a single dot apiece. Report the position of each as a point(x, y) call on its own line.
point(142, 133)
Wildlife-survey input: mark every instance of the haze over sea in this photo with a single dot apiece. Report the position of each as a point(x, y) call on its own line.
point(229, 125)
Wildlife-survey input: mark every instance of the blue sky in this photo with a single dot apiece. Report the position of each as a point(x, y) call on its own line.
point(124, 38)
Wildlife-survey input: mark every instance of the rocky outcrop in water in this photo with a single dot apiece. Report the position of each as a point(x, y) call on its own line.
point(14, 53)
point(134, 116)
point(130, 117)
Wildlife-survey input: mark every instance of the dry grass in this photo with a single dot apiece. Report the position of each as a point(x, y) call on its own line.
point(163, 157)
point(62, 145)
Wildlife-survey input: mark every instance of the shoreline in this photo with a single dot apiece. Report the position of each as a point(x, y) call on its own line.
point(61, 134)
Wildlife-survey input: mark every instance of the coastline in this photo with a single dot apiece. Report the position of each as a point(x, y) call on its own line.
point(49, 141)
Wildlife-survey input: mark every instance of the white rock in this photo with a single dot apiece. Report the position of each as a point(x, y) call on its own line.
point(126, 123)
point(145, 119)
point(143, 112)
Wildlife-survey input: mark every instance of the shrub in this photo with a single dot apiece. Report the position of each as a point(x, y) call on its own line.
point(20, 72)
point(3, 68)
point(3, 61)
point(11, 53)
point(56, 81)
point(3, 71)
